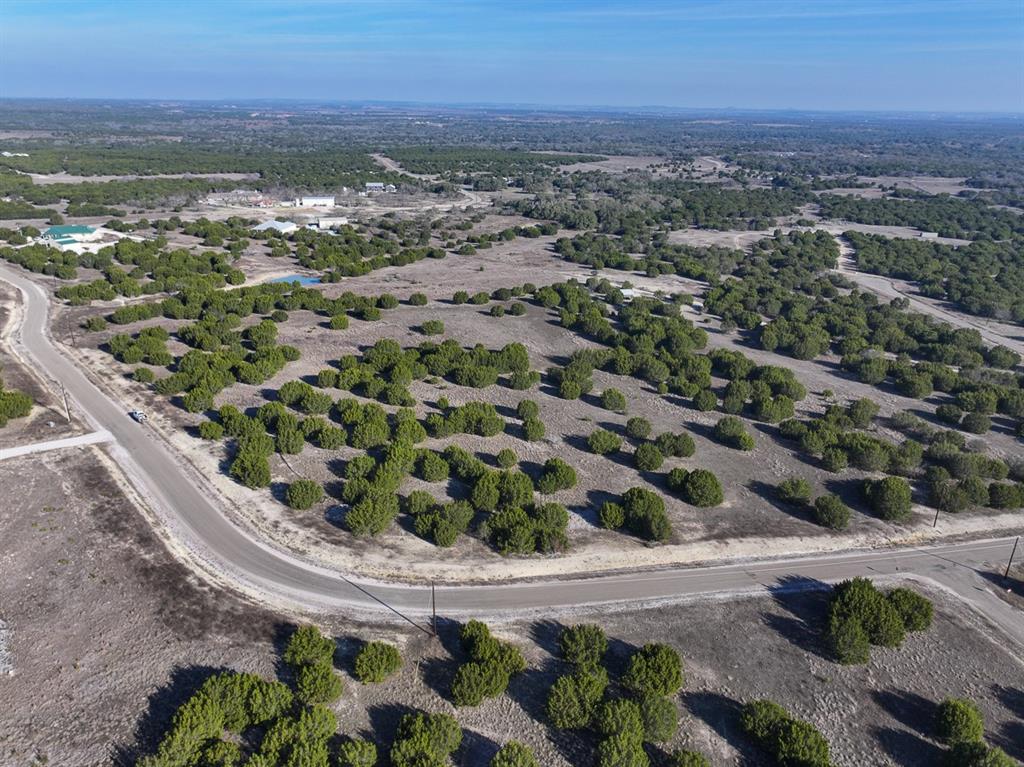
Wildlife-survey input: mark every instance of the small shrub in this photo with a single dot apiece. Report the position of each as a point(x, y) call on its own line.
point(638, 428)
point(647, 457)
point(795, 490)
point(304, 493)
point(958, 720)
point(377, 661)
point(603, 442)
point(831, 512)
point(613, 399)
point(507, 458)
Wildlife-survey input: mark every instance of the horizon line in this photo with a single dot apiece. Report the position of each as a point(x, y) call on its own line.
point(513, 106)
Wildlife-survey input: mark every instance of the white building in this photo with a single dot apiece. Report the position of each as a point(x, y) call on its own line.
point(78, 238)
point(329, 222)
point(374, 186)
point(282, 227)
point(315, 202)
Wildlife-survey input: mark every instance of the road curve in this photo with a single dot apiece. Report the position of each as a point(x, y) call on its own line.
point(196, 522)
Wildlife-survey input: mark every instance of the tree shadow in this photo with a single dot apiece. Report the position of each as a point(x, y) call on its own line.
point(336, 514)
point(850, 492)
point(1010, 738)
point(908, 708)
point(765, 491)
point(529, 691)
point(806, 601)
point(384, 721)
point(722, 715)
point(579, 442)
point(160, 708)
point(908, 749)
point(616, 660)
point(1011, 698)
point(475, 749)
point(596, 499)
point(546, 634)
point(1009, 584)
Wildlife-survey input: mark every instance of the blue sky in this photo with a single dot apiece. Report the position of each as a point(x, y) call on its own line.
point(931, 55)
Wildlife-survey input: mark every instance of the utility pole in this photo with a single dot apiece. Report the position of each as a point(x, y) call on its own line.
point(67, 407)
point(1010, 563)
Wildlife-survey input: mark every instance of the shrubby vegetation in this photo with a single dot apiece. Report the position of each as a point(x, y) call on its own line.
point(13, 404)
point(491, 663)
point(860, 616)
point(789, 740)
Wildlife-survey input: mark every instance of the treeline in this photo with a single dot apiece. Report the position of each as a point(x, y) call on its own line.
point(671, 203)
point(949, 216)
point(983, 278)
point(307, 170)
point(454, 161)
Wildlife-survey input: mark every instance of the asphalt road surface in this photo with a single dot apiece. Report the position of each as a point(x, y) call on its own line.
point(197, 522)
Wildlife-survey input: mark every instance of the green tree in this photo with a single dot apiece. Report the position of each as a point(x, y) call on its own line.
point(583, 645)
point(621, 751)
point(507, 459)
point(795, 490)
point(357, 753)
point(556, 475)
point(316, 683)
point(689, 759)
point(307, 646)
point(620, 717)
point(701, 488)
point(603, 442)
point(613, 399)
point(647, 457)
point(533, 429)
point(958, 720)
point(611, 515)
point(574, 698)
point(978, 755)
point(914, 610)
point(304, 493)
point(638, 428)
point(848, 640)
point(831, 512)
point(514, 754)
point(474, 682)
point(654, 669)
point(660, 718)
point(425, 740)
point(890, 498)
point(377, 661)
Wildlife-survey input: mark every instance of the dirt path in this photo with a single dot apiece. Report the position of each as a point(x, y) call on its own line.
point(93, 438)
point(994, 333)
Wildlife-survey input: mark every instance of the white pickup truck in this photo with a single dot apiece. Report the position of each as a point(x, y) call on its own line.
point(138, 415)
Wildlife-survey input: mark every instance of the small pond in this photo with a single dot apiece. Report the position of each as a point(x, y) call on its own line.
point(299, 278)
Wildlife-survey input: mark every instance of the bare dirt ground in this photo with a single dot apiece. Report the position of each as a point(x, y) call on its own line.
point(928, 184)
point(102, 621)
point(617, 164)
point(749, 523)
point(48, 419)
point(97, 686)
point(744, 239)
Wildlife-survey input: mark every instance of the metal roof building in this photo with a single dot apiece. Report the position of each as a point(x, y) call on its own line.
point(284, 227)
point(73, 232)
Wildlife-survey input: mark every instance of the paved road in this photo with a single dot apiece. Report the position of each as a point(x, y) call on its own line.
point(93, 438)
point(198, 522)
